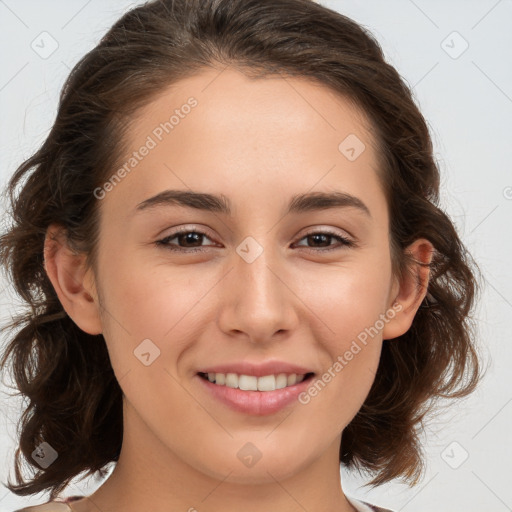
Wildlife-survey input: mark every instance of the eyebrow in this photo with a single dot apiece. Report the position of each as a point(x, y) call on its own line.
point(299, 203)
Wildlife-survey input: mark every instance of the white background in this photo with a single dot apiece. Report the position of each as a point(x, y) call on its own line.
point(468, 104)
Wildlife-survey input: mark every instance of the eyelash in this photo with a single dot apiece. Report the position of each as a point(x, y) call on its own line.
point(164, 242)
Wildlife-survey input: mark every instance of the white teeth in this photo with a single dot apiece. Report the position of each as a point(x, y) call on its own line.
point(253, 383)
point(248, 382)
point(231, 380)
point(281, 381)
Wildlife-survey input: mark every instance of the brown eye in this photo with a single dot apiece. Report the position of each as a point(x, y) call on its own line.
point(188, 241)
point(324, 239)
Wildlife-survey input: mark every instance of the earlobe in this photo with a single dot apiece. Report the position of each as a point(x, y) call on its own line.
point(412, 289)
point(66, 270)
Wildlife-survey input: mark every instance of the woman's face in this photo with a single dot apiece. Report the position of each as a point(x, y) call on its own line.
point(267, 281)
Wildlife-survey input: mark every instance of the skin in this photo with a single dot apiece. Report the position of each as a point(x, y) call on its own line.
point(258, 142)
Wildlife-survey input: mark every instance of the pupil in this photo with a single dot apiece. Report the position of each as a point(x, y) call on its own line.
point(191, 237)
point(318, 236)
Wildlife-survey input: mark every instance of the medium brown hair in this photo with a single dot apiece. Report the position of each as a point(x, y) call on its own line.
point(74, 401)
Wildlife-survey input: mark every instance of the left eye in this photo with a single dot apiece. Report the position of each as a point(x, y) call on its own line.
point(195, 237)
point(319, 236)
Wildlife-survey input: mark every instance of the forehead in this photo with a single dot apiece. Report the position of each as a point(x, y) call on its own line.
point(221, 131)
point(276, 106)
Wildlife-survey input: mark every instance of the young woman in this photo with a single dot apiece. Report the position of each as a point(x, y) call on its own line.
point(238, 273)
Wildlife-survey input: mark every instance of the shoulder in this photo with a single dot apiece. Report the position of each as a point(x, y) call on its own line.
point(375, 508)
point(51, 506)
point(364, 506)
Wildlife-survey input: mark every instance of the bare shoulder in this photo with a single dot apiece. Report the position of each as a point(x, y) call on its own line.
point(51, 506)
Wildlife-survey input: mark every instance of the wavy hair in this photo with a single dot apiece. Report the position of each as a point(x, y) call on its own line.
point(73, 400)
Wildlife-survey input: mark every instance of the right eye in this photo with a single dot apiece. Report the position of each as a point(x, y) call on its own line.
point(186, 236)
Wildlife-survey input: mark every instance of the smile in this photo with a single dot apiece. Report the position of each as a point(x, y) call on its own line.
point(253, 383)
point(254, 401)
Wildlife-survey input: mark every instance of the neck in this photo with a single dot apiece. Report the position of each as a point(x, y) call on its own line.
point(150, 476)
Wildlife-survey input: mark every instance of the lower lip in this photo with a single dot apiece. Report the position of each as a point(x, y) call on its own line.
point(258, 403)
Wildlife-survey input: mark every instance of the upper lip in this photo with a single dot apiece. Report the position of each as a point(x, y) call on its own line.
point(257, 369)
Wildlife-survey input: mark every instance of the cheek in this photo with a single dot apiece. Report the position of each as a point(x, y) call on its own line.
point(151, 299)
point(349, 297)
point(352, 348)
point(350, 304)
point(150, 319)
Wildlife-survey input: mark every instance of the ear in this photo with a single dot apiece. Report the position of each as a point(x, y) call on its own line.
point(408, 294)
point(74, 285)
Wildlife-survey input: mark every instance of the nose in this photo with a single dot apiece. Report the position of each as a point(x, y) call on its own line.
point(258, 300)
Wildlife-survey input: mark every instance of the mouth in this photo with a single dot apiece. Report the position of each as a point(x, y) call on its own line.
point(254, 395)
point(266, 383)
